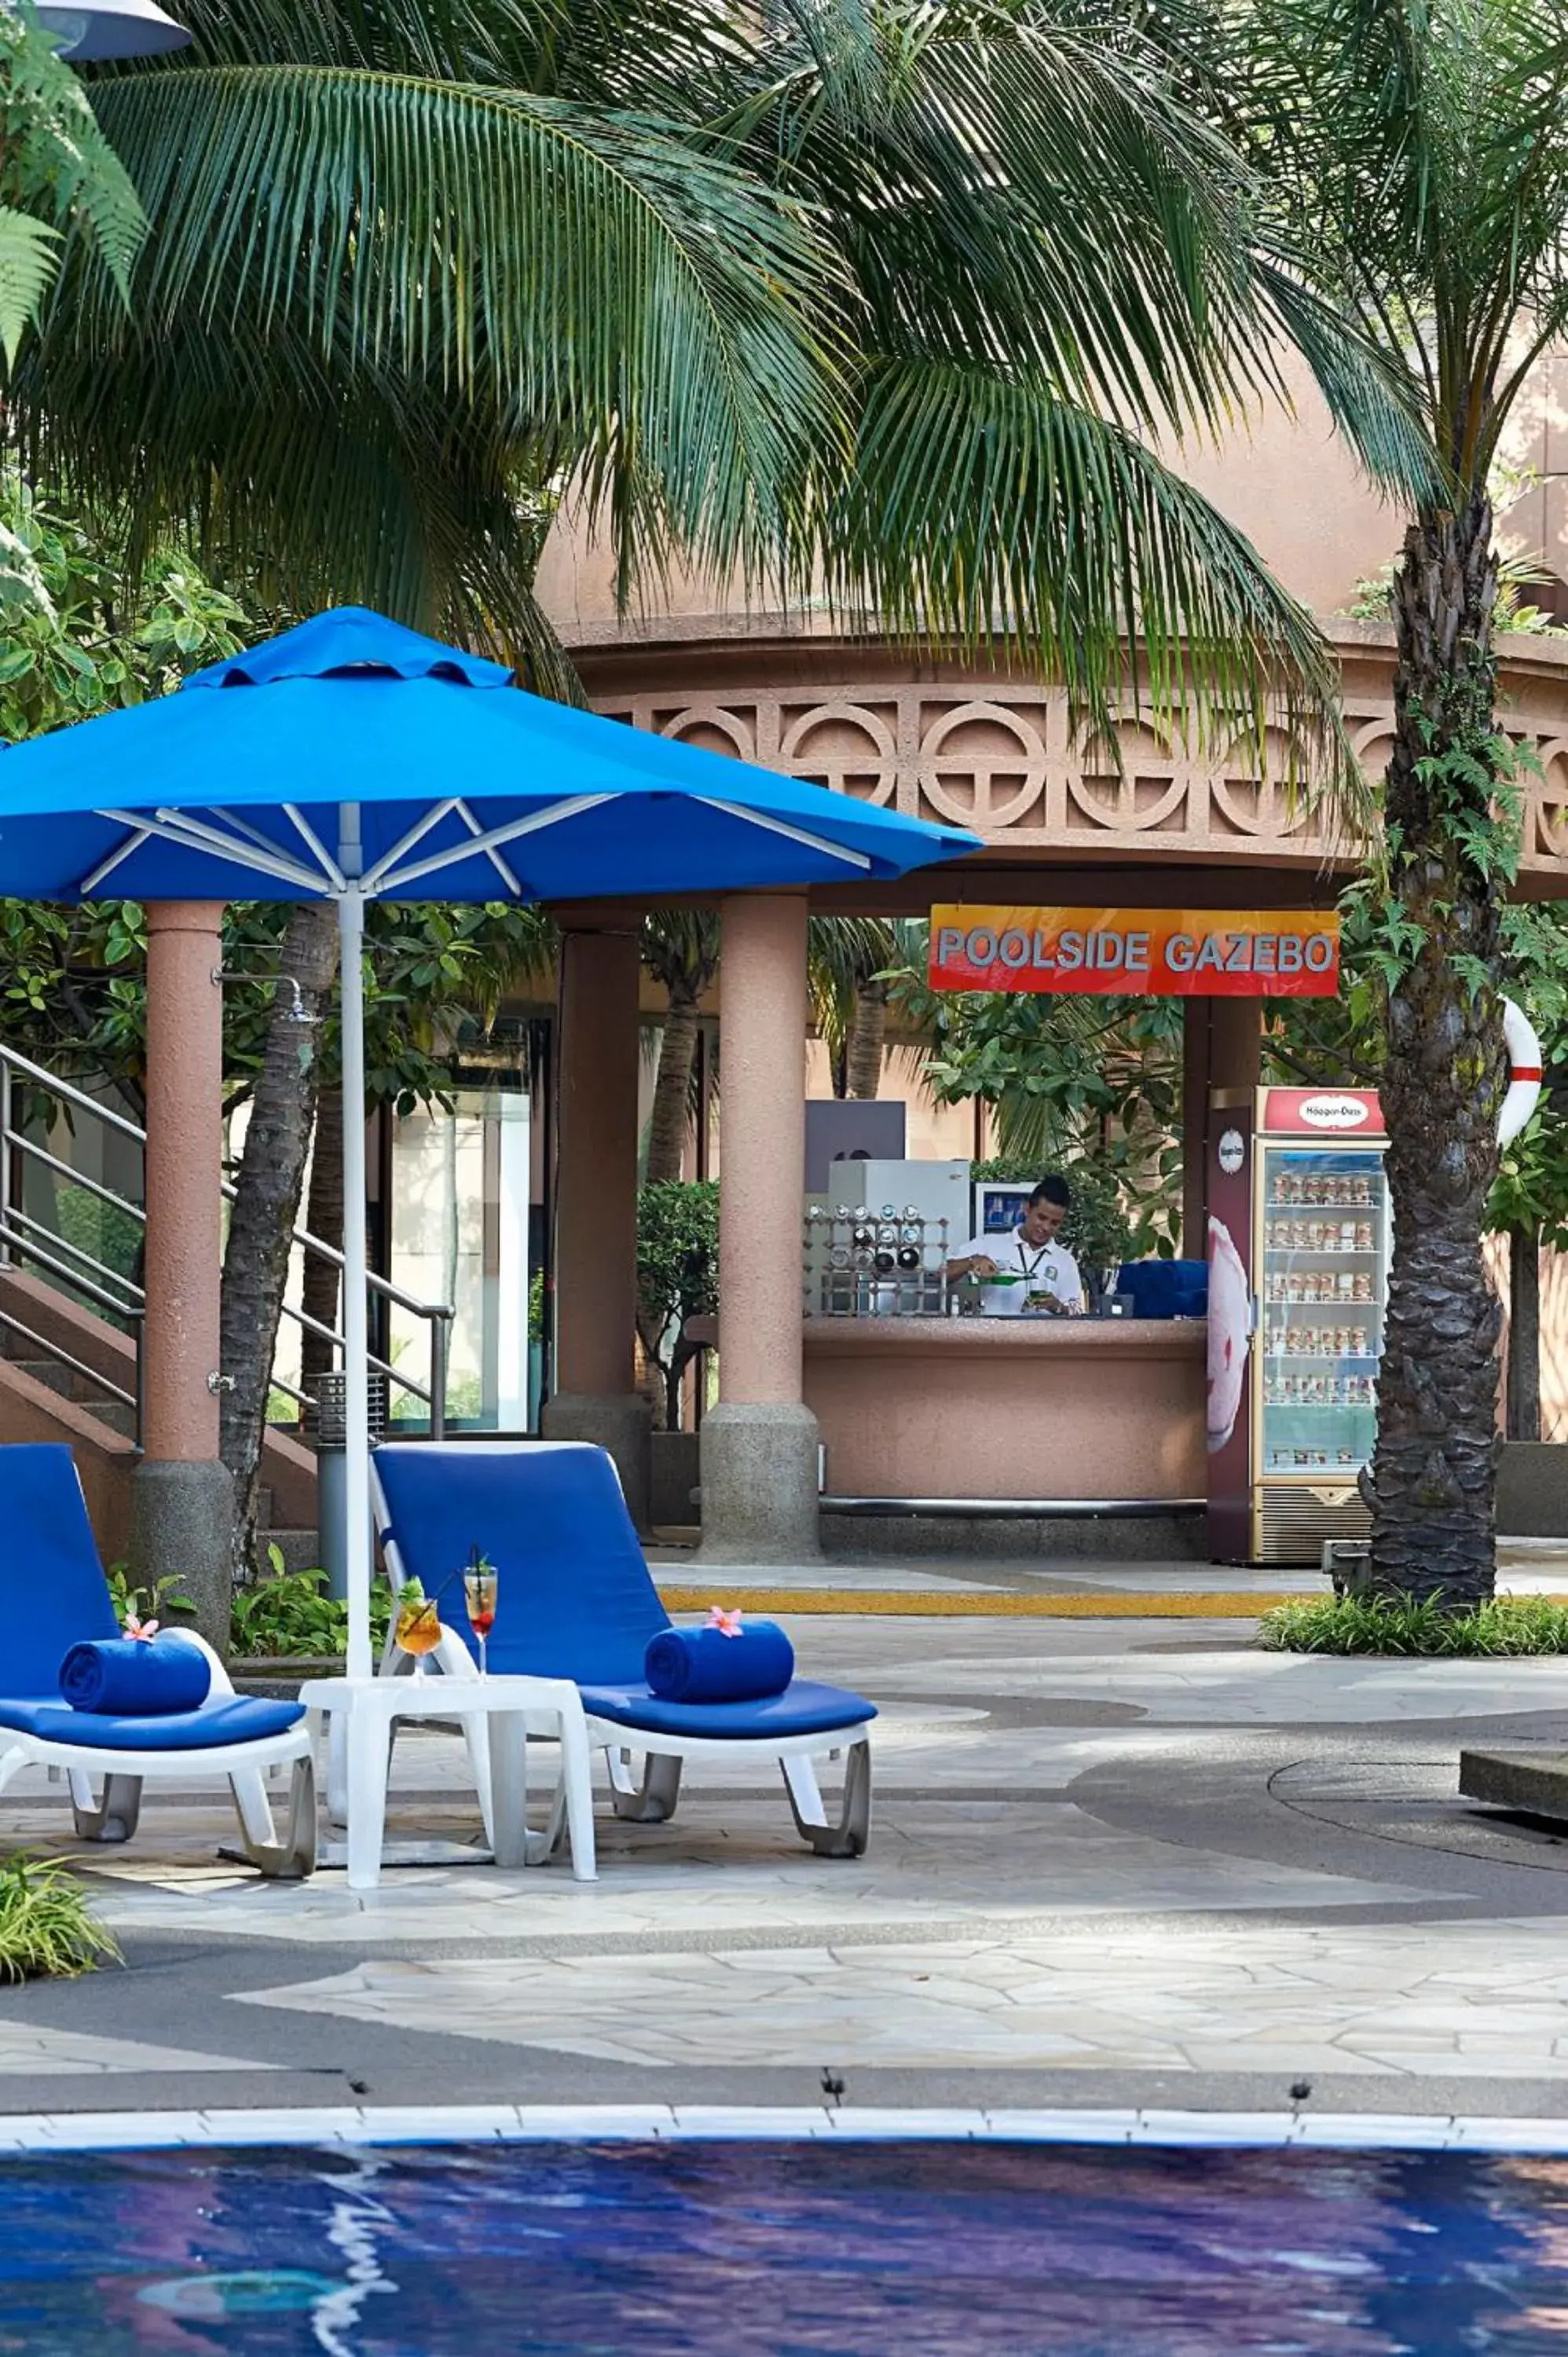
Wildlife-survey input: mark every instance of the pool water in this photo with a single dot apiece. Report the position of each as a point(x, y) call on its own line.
point(786, 2250)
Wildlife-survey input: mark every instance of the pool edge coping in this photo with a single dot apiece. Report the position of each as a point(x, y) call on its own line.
point(447, 2123)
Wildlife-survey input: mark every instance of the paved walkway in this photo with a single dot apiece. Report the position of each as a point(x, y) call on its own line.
point(1114, 1862)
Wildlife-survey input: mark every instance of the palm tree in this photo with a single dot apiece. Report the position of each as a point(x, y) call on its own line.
point(680, 950)
point(1414, 162)
point(847, 960)
point(844, 957)
point(397, 290)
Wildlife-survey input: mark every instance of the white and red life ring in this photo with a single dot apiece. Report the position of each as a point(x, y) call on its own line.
point(1524, 1073)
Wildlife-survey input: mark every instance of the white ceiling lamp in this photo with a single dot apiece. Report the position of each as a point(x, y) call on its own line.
point(111, 29)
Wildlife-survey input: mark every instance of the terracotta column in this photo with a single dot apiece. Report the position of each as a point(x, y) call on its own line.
point(594, 1396)
point(759, 1444)
point(1222, 1047)
point(184, 1497)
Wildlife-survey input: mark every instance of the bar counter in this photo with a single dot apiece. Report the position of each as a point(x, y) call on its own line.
point(1009, 1408)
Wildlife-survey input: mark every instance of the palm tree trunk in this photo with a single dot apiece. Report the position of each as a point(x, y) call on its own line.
point(323, 1217)
point(862, 1049)
point(1432, 1478)
point(266, 1207)
point(1523, 1414)
point(671, 1117)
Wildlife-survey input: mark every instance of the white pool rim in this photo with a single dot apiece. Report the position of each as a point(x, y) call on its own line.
point(319, 2127)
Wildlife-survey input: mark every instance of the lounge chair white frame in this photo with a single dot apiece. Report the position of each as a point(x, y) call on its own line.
point(652, 1798)
point(113, 1818)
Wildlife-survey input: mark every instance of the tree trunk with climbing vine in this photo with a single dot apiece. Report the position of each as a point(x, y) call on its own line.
point(1433, 1471)
point(266, 1207)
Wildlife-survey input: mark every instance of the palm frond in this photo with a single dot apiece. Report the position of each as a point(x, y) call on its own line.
point(1372, 397)
point(588, 278)
point(985, 511)
point(842, 954)
point(1011, 188)
point(1414, 167)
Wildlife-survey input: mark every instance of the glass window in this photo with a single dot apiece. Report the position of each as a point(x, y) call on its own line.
point(1325, 1260)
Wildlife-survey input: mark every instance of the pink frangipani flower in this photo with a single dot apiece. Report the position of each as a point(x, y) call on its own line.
point(146, 1631)
point(727, 1623)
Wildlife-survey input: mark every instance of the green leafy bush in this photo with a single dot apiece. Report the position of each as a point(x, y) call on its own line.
point(677, 1274)
point(46, 1923)
point(101, 1231)
point(163, 1600)
point(1392, 1624)
point(290, 1616)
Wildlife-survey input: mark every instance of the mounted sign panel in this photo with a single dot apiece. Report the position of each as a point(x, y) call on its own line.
point(1155, 953)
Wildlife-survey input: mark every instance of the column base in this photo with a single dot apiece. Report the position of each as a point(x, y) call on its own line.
point(182, 1528)
point(760, 1485)
point(621, 1421)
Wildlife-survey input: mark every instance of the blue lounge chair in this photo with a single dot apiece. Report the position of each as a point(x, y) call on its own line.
point(58, 1599)
point(574, 1601)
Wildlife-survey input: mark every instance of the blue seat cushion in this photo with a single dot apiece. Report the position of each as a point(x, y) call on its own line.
point(803, 1709)
point(231, 1719)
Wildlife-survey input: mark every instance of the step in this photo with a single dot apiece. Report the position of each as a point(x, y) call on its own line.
point(81, 1392)
point(300, 1550)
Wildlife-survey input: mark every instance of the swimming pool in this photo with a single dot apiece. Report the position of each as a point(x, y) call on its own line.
point(786, 2250)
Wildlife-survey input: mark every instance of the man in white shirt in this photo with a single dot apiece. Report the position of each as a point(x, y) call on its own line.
point(1045, 1276)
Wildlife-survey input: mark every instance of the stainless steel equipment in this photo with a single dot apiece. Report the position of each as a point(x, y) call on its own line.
point(882, 1262)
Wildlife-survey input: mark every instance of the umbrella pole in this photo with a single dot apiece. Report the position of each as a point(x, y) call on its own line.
point(355, 1340)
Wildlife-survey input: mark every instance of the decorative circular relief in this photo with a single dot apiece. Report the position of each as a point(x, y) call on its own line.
point(846, 748)
point(992, 751)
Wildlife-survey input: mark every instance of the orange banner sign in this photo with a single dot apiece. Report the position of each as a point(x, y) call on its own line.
point(1158, 953)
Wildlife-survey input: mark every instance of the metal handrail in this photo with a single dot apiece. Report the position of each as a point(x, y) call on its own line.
point(20, 1232)
point(57, 1357)
point(37, 1153)
point(25, 1220)
point(27, 1250)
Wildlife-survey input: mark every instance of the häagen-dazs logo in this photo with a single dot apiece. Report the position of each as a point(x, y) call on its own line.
point(1328, 1111)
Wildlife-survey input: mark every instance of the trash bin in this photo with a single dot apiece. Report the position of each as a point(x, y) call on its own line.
point(330, 1418)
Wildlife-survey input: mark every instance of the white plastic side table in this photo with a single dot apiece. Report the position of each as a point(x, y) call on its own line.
point(513, 1707)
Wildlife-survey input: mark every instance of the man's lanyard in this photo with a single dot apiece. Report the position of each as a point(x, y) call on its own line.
point(1029, 1267)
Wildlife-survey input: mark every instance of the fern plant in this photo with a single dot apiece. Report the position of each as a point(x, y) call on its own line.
point(58, 174)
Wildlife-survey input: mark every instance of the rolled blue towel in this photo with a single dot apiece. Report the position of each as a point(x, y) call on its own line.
point(704, 1665)
point(132, 1677)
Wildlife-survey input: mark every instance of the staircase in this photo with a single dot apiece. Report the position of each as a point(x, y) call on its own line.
point(72, 1310)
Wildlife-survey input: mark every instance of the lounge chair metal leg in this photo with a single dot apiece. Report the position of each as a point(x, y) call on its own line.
point(848, 1838)
point(476, 1725)
point(294, 1857)
point(115, 1820)
point(543, 1845)
point(336, 1768)
point(653, 1801)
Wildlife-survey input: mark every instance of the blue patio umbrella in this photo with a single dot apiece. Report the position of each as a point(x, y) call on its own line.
point(351, 760)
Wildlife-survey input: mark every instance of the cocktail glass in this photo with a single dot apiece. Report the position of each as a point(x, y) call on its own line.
point(479, 1596)
point(418, 1630)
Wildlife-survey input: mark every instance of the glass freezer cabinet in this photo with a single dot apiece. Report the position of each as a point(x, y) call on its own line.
point(1299, 1245)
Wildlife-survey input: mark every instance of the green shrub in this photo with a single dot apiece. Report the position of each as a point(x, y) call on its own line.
point(290, 1616)
point(46, 1923)
point(1394, 1624)
point(164, 1600)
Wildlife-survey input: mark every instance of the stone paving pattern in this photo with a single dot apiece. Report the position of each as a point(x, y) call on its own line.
point(1114, 1862)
